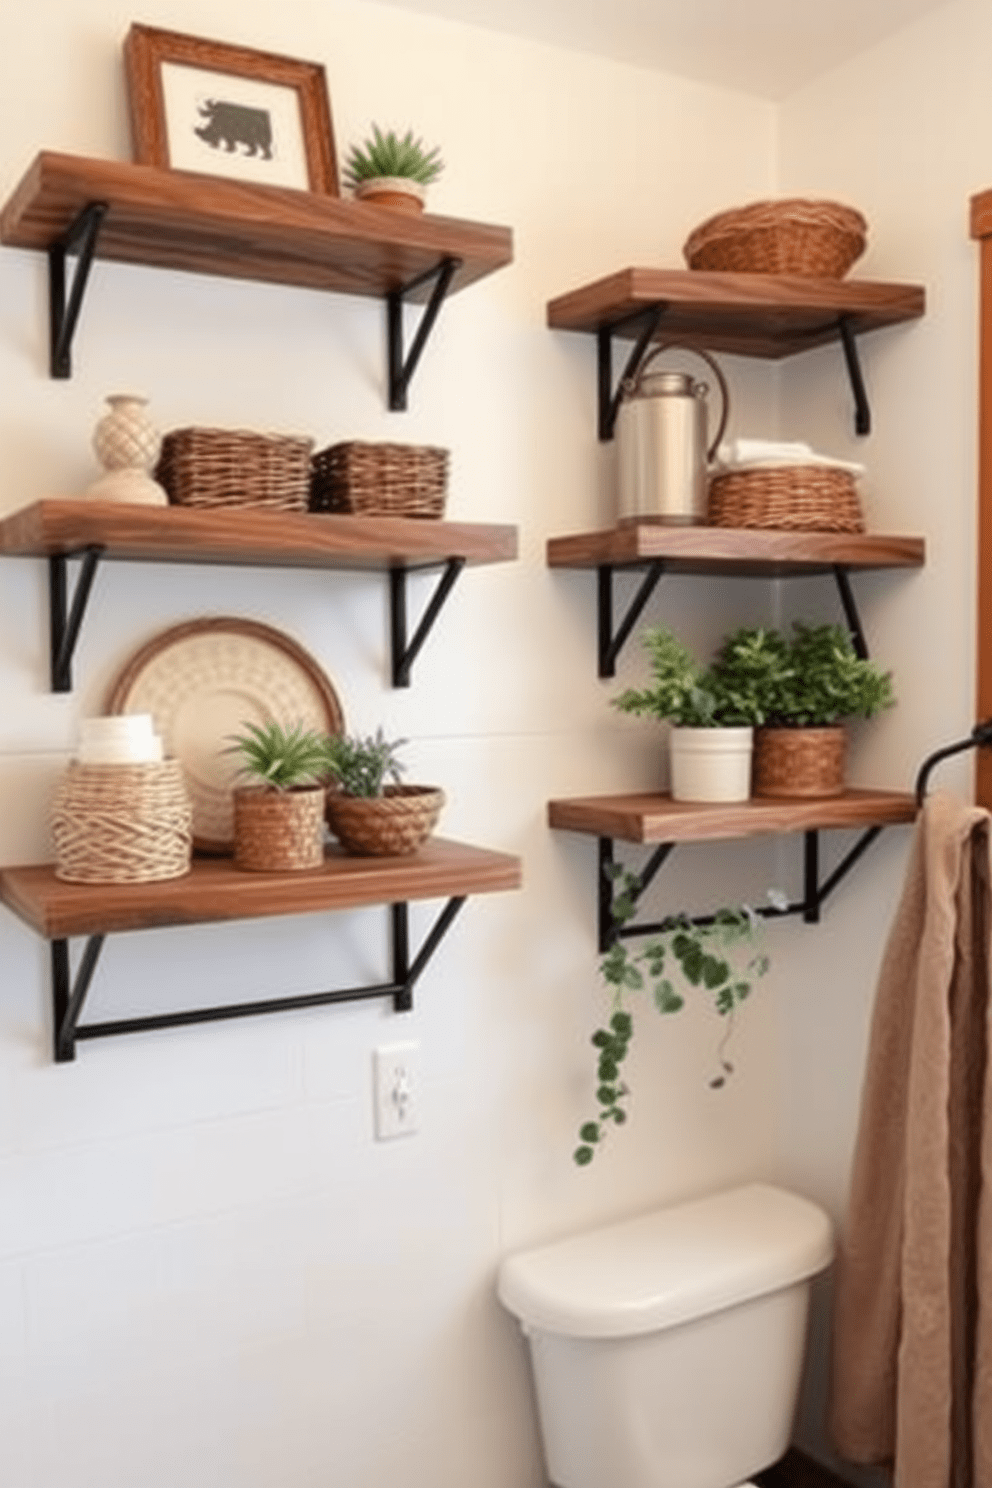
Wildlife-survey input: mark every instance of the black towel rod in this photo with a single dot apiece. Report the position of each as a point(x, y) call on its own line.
point(980, 735)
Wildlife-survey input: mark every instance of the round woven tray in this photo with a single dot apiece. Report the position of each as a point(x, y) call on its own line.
point(235, 467)
point(802, 498)
point(278, 831)
point(122, 823)
point(393, 824)
point(820, 239)
point(806, 762)
point(380, 479)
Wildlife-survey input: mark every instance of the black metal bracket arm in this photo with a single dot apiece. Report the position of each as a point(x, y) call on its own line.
point(611, 642)
point(405, 651)
point(815, 891)
point(69, 994)
point(862, 411)
point(65, 619)
point(400, 370)
point(80, 238)
point(609, 397)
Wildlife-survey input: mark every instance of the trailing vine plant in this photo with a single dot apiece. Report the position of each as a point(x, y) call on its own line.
point(723, 956)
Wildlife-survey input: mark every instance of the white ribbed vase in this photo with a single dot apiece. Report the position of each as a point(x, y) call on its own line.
point(127, 444)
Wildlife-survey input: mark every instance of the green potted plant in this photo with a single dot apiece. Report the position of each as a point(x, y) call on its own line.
point(369, 811)
point(279, 812)
point(392, 170)
point(722, 956)
point(806, 684)
point(712, 712)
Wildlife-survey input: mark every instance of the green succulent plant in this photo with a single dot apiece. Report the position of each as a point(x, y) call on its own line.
point(722, 956)
point(361, 766)
point(387, 154)
point(282, 758)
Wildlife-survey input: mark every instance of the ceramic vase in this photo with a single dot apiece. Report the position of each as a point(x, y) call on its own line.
point(127, 444)
point(710, 764)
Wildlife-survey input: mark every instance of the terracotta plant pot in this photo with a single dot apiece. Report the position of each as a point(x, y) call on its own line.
point(800, 761)
point(391, 825)
point(278, 830)
point(396, 192)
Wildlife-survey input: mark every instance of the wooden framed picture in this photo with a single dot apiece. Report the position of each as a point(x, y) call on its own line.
point(229, 111)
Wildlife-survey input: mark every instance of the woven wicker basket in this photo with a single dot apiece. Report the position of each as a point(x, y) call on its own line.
point(122, 823)
point(397, 480)
point(234, 467)
point(393, 824)
point(806, 762)
point(821, 239)
point(277, 831)
point(801, 498)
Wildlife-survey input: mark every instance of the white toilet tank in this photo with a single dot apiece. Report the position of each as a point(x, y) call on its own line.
point(667, 1350)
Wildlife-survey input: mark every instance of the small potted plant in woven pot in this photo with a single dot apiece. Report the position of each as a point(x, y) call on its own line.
point(712, 714)
point(807, 683)
point(279, 812)
point(392, 171)
point(369, 811)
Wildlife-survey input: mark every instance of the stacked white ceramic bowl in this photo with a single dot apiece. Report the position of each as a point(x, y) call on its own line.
point(125, 739)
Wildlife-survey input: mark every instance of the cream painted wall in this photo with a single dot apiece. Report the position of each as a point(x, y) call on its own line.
point(903, 132)
point(210, 1273)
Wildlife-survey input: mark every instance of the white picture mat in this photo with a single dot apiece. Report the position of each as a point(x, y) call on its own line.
point(186, 89)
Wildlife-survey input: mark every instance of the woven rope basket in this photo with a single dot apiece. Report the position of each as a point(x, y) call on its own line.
point(122, 823)
point(278, 831)
point(820, 239)
point(807, 762)
point(234, 467)
point(393, 824)
point(801, 498)
point(398, 480)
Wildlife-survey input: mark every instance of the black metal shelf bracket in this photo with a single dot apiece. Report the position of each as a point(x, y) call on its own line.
point(610, 641)
point(401, 371)
point(862, 411)
point(608, 397)
point(65, 619)
point(815, 891)
point(80, 238)
point(69, 993)
point(405, 651)
point(842, 579)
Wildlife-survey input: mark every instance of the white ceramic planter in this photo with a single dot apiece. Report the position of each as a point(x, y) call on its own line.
point(710, 764)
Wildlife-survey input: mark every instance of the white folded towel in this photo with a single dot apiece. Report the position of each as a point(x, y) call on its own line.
point(754, 454)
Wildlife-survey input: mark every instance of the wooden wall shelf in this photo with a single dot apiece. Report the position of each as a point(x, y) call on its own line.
point(200, 224)
point(650, 817)
point(760, 315)
point(214, 890)
point(97, 530)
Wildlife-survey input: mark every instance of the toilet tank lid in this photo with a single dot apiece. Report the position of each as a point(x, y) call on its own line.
point(669, 1266)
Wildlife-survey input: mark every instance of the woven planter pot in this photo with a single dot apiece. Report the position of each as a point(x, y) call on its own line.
point(391, 825)
point(278, 831)
point(398, 193)
point(800, 761)
point(122, 823)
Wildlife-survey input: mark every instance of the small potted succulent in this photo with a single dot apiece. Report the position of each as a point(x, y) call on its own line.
point(279, 811)
point(712, 712)
point(721, 955)
point(806, 684)
point(369, 811)
point(392, 170)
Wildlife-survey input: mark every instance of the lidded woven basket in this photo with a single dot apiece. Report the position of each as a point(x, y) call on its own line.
point(394, 824)
point(820, 239)
point(122, 823)
point(797, 498)
point(380, 479)
point(235, 468)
